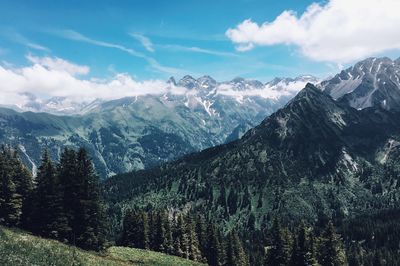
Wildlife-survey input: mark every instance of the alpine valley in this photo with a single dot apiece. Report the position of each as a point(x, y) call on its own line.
point(291, 172)
point(331, 153)
point(219, 133)
point(140, 132)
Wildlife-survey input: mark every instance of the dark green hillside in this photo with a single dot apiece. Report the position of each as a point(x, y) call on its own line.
point(314, 160)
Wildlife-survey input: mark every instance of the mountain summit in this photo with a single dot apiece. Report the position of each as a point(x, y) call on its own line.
point(314, 158)
point(140, 132)
point(371, 82)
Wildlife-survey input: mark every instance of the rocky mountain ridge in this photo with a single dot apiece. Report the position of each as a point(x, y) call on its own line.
point(140, 132)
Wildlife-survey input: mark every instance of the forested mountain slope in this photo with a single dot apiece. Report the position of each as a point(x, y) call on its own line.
point(315, 159)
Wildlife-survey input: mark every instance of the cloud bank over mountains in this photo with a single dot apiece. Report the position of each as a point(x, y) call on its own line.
point(55, 77)
point(339, 31)
point(48, 77)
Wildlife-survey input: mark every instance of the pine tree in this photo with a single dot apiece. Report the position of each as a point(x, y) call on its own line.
point(168, 240)
point(214, 253)
point(10, 200)
point(135, 230)
point(194, 246)
point(236, 255)
point(24, 187)
point(303, 252)
point(182, 237)
point(201, 231)
point(71, 187)
point(143, 241)
point(279, 251)
point(48, 218)
point(128, 230)
point(90, 219)
point(160, 235)
point(331, 249)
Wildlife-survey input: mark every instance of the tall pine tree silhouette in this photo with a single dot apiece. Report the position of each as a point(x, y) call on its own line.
point(10, 200)
point(48, 216)
point(89, 213)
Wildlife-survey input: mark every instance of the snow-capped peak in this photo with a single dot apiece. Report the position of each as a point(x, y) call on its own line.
point(368, 83)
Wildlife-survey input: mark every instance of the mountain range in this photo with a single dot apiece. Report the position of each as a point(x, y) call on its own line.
point(371, 82)
point(317, 158)
point(140, 132)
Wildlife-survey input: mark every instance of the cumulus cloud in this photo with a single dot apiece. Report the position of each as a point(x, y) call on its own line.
point(340, 31)
point(59, 64)
point(55, 77)
point(147, 44)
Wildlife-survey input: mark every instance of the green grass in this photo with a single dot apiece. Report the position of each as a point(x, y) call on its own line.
point(19, 248)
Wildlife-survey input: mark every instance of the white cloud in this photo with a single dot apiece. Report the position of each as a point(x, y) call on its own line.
point(340, 31)
point(147, 44)
point(197, 50)
point(76, 36)
point(59, 65)
point(267, 91)
point(18, 38)
point(45, 79)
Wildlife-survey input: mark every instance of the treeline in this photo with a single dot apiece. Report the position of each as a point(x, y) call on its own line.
point(373, 238)
point(184, 235)
point(304, 246)
point(62, 202)
point(190, 236)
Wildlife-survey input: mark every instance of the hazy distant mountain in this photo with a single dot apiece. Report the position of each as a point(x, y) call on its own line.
point(200, 90)
point(139, 132)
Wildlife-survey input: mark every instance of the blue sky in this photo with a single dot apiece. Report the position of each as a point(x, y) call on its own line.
point(147, 40)
point(187, 37)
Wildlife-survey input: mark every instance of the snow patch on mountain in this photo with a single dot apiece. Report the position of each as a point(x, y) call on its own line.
point(371, 82)
point(34, 167)
point(203, 91)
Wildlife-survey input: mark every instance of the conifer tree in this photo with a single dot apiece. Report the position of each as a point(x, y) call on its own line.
point(331, 249)
point(168, 240)
point(128, 230)
point(201, 231)
point(10, 194)
point(214, 253)
point(89, 222)
point(135, 230)
point(194, 249)
point(236, 255)
point(303, 252)
point(160, 234)
point(70, 186)
point(48, 219)
point(143, 241)
point(182, 237)
point(10, 200)
point(24, 187)
point(279, 251)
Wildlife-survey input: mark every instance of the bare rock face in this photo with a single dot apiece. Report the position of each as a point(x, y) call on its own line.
point(141, 132)
point(372, 82)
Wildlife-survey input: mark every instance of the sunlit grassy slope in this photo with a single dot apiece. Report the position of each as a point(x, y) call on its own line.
point(20, 248)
